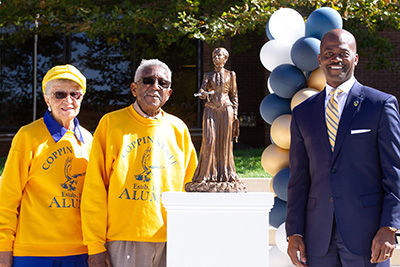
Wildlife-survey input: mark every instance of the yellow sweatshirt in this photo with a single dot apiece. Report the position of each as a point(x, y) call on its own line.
point(133, 160)
point(40, 191)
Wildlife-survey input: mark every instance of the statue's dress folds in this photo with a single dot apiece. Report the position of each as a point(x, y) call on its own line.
point(216, 162)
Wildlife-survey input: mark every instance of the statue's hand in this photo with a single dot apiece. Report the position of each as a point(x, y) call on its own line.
point(203, 94)
point(235, 129)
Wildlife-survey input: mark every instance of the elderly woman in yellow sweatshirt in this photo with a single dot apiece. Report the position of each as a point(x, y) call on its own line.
point(41, 185)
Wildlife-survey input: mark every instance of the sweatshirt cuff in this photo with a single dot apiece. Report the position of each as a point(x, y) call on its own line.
point(6, 245)
point(96, 248)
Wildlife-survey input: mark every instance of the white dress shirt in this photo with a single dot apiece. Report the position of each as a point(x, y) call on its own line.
point(345, 87)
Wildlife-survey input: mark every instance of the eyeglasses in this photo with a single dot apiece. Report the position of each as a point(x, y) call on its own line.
point(62, 95)
point(163, 84)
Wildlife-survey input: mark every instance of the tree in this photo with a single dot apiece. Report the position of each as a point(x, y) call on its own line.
point(172, 20)
point(117, 34)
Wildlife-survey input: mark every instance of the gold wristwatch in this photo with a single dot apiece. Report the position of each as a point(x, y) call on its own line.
point(392, 229)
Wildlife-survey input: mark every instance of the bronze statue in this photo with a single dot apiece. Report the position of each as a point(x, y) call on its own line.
point(216, 168)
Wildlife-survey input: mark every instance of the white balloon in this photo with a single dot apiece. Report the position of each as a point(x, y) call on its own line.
point(286, 25)
point(280, 238)
point(274, 53)
point(278, 259)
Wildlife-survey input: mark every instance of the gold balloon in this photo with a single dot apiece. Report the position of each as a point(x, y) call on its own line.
point(317, 80)
point(271, 188)
point(280, 131)
point(274, 159)
point(302, 95)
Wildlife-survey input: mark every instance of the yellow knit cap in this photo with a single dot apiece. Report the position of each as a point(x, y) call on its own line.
point(68, 72)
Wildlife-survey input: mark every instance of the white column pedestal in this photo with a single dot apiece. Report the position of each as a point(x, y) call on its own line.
point(217, 229)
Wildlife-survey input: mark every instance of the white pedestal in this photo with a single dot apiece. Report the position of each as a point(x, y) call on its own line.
point(217, 229)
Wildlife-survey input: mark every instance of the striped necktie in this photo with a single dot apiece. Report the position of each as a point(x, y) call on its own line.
point(332, 116)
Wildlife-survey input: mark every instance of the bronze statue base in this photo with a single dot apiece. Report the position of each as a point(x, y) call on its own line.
point(211, 187)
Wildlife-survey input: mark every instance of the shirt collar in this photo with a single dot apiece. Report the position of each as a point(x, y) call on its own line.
point(345, 87)
point(141, 112)
point(57, 131)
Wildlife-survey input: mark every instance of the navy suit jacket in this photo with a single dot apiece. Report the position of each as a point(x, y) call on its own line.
point(358, 184)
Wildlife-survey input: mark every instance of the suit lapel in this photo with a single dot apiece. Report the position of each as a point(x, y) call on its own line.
point(352, 106)
point(318, 116)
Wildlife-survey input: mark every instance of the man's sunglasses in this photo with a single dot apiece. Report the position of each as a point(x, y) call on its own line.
point(62, 95)
point(161, 83)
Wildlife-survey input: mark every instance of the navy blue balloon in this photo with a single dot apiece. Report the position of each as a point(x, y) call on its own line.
point(321, 21)
point(269, 35)
point(277, 215)
point(305, 53)
point(286, 80)
point(272, 106)
point(280, 183)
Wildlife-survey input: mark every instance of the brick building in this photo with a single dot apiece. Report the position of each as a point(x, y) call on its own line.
point(251, 82)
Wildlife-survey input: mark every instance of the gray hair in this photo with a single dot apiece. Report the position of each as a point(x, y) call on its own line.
point(50, 84)
point(150, 63)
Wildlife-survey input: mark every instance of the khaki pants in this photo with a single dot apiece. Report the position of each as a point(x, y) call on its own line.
point(137, 254)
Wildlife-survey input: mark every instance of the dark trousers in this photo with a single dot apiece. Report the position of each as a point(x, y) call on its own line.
point(339, 256)
point(67, 261)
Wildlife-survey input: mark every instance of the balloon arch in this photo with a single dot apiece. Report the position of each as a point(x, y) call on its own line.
point(291, 55)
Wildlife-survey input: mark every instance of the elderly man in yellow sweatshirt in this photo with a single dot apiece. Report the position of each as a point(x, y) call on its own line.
point(138, 152)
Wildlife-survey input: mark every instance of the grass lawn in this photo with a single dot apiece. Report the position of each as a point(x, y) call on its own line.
point(2, 161)
point(247, 163)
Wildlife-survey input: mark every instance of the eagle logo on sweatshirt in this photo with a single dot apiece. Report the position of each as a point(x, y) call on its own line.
point(72, 179)
point(145, 175)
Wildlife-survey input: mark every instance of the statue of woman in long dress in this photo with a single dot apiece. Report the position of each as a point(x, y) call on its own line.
point(216, 168)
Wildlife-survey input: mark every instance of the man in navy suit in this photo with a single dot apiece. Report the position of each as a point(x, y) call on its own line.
point(343, 204)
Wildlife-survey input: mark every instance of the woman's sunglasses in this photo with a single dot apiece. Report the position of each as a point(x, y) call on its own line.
point(162, 83)
point(62, 95)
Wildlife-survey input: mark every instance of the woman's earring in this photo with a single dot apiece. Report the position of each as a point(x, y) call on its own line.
point(49, 108)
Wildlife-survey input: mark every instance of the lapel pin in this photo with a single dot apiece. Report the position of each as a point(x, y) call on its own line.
point(356, 103)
